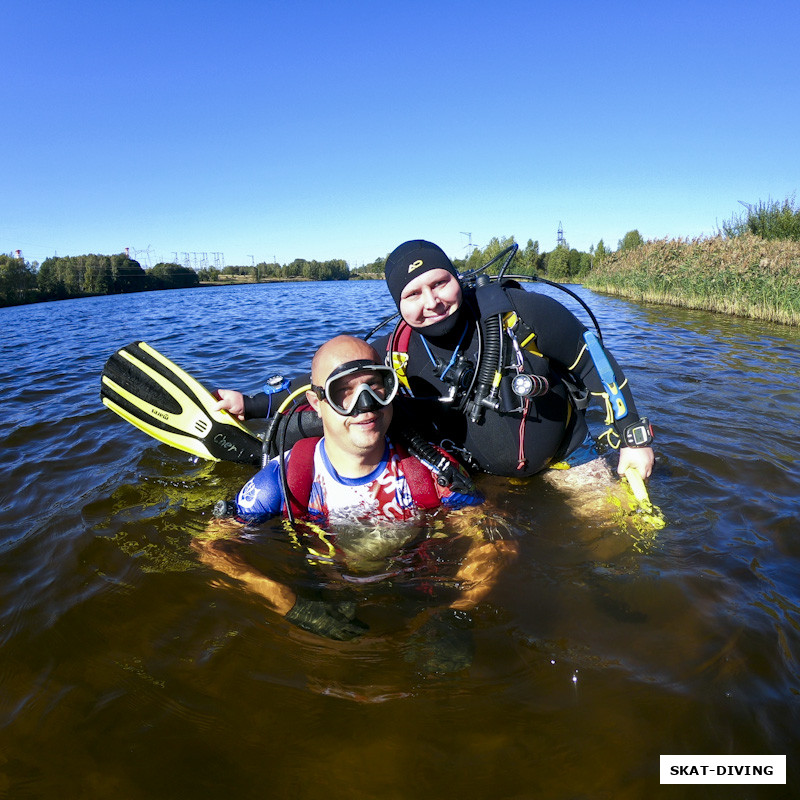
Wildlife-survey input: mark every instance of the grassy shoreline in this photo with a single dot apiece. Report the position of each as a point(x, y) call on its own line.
point(745, 276)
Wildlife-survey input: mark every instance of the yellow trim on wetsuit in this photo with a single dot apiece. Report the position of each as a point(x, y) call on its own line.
point(399, 364)
point(510, 321)
point(578, 359)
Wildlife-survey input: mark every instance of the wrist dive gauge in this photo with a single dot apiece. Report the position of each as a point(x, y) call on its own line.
point(638, 434)
point(276, 383)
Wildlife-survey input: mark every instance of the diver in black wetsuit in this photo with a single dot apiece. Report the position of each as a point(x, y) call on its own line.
point(497, 375)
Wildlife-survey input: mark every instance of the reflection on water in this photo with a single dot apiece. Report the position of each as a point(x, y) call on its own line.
point(128, 669)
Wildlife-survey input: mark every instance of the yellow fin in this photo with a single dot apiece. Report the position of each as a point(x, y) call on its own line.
point(640, 500)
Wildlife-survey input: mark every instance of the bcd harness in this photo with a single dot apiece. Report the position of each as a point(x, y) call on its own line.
point(300, 477)
point(461, 374)
point(317, 543)
point(473, 389)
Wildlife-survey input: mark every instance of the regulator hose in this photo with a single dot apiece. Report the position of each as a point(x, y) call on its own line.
point(489, 364)
point(269, 445)
point(447, 473)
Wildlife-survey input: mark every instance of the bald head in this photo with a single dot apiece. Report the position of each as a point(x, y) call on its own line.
point(338, 351)
point(355, 435)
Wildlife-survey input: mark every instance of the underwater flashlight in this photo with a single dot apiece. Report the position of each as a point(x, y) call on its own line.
point(529, 385)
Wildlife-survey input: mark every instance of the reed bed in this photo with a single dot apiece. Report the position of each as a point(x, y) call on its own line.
point(745, 275)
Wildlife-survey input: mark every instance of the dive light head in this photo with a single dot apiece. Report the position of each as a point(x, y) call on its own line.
point(524, 385)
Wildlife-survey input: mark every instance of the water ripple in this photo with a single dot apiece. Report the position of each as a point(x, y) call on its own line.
point(591, 657)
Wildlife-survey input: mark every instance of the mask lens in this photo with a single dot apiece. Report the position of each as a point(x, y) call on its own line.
point(344, 391)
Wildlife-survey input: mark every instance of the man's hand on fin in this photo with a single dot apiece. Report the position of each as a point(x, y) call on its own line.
point(325, 619)
point(641, 458)
point(230, 401)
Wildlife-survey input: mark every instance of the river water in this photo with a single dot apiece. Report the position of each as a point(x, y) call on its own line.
point(129, 670)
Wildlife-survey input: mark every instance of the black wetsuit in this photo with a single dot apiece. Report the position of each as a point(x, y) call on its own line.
point(553, 426)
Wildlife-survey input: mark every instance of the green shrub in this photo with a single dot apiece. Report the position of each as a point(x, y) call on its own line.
point(768, 220)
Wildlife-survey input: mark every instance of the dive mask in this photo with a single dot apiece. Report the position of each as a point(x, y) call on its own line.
point(357, 387)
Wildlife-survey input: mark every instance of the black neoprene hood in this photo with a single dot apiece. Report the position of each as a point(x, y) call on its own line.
point(410, 260)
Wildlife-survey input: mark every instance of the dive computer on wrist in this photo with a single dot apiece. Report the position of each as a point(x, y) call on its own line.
point(276, 383)
point(638, 434)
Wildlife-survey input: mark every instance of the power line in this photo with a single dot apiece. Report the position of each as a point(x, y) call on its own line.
point(469, 245)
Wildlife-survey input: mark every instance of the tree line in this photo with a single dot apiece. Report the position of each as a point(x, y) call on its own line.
point(79, 276)
point(333, 270)
point(563, 263)
point(61, 278)
point(750, 267)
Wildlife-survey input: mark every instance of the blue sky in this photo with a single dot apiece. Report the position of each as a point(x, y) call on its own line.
point(340, 129)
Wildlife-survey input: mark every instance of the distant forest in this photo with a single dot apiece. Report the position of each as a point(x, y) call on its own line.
point(61, 278)
point(82, 276)
point(561, 264)
point(334, 270)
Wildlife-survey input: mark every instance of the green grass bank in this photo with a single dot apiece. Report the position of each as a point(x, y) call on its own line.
point(746, 275)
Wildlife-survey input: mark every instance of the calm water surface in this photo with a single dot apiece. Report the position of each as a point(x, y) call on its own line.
point(129, 670)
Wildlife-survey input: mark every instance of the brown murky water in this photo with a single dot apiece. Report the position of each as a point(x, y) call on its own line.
point(129, 670)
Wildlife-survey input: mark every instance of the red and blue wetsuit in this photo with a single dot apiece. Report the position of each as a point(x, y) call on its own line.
point(383, 495)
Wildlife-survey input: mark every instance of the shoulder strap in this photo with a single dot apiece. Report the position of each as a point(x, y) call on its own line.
point(398, 341)
point(300, 474)
point(397, 350)
point(421, 482)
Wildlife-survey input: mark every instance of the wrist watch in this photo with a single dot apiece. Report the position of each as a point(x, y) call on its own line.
point(276, 383)
point(638, 434)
